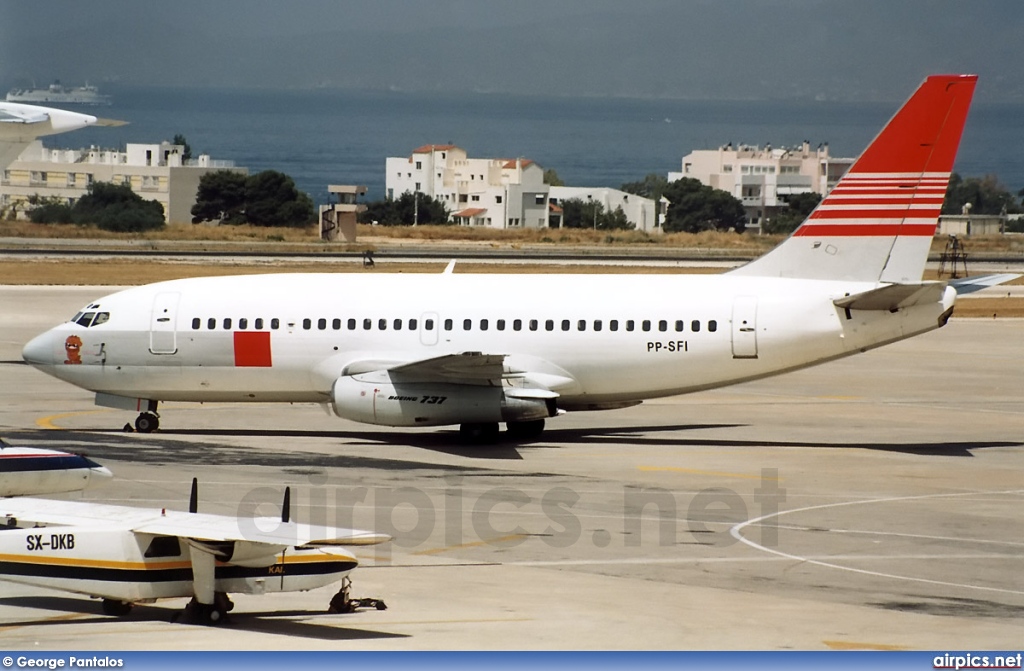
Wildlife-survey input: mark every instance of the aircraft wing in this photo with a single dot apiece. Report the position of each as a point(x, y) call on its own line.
point(11, 115)
point(465, 368)
point(197, 526)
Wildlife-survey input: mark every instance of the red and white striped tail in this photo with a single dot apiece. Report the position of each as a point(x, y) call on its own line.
point(878, 223)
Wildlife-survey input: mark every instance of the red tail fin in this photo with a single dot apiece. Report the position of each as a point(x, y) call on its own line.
point(877, 224)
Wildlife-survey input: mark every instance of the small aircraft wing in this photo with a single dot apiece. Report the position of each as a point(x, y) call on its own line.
point(263, 530)
point(197, 526)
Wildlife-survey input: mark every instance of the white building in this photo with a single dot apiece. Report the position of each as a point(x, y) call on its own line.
point(154, 171)
point(761, 178)
point(500, 193)
point(642, 212)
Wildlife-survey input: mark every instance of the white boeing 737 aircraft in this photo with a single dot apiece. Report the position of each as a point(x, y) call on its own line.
point(478, 350)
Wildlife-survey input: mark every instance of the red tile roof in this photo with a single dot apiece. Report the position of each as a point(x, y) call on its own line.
point(511, 163)
point(470, 212)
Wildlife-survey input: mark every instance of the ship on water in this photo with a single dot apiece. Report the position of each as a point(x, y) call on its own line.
point(57, 93)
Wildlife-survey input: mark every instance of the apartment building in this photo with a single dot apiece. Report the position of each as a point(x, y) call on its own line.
point(154, 171)
point(499, 193)
point(762, 177)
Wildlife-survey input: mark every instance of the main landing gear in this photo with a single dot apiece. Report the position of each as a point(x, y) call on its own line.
point(208, 614)
point(342, 602)
point(147, 422)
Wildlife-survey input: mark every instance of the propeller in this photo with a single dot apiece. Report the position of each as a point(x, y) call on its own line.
point(193, 499)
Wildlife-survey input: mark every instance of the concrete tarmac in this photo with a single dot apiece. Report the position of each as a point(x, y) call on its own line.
point(870, 503)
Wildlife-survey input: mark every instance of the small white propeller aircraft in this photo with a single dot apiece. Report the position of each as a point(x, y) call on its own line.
point(30, 471)
point(477, 350)
point(129, 555)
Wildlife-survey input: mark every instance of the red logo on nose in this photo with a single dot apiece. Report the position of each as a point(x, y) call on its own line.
point(73, 347)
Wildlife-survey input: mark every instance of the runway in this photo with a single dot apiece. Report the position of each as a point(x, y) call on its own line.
point(871, 503)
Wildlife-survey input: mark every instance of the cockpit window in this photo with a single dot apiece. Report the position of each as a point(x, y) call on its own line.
point(88, 319)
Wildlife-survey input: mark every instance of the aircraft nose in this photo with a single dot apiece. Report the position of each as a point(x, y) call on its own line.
point(39, 350)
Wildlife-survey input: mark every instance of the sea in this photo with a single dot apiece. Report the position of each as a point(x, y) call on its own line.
point(322, 137)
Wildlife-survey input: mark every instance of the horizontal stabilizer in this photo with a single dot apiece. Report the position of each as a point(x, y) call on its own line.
point(968, 285)
point(893, 297)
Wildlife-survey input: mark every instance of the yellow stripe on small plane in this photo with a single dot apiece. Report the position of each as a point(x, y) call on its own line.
point(47, 560)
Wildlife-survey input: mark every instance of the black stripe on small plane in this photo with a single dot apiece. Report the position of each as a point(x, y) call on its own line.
point(177, 574)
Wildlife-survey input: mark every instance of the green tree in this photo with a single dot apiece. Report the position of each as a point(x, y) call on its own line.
point(51, 210)
point(407, 209)
point(187, 152)
point(985, 194)
point(115, 207)
point(615, 221)
point(579, 213)
point(694, 207)
point(789, 219)
point(652, 186)
point(220, 198)
point(268, 198)
point(551, 178)
point(271, 199)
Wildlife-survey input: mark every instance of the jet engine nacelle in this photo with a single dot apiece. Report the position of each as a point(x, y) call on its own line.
point(436, 404)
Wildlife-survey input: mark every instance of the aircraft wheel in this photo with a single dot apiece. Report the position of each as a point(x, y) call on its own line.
point(480, 434)
point(209, 614)
point(223, 602)
point(525, 430)
point(116, 607)
point(147, 422)
point(340, 603)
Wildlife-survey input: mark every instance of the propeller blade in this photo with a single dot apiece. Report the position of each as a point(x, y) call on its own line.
point(193, 500)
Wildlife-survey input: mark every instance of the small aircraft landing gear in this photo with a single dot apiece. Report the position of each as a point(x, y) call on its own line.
point(116, 607)
point(208, 614)
point(147, 422)
point(342, 602)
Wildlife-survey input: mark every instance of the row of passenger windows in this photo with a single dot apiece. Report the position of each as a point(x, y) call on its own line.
point(351, 324)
